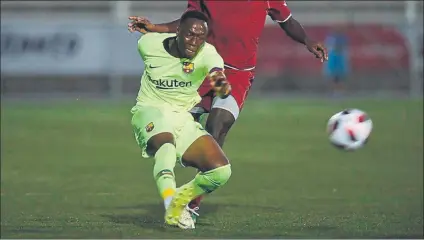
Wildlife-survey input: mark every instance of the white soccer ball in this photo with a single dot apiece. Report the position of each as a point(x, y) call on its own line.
point(349, 129)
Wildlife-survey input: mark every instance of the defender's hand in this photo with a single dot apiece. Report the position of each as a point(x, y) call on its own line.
point(318, 49)
point(140, 24)
point(219, 84)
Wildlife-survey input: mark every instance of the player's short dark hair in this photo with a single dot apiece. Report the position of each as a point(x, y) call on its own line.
point(193, 14)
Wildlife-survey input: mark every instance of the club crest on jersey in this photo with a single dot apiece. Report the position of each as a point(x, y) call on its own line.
point(149, 127)
point(188, 67)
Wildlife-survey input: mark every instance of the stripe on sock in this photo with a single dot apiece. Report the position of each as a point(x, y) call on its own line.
point(168, 193)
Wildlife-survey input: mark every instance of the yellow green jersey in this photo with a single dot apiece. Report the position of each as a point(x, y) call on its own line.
point(172, 81)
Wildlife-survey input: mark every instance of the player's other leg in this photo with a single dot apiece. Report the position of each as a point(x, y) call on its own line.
point(225, 111)
point(154, 136)
point(222, 112)
point(204, 154)
point(218, 125)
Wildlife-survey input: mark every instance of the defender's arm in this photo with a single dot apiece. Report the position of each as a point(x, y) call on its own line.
point(280, 13)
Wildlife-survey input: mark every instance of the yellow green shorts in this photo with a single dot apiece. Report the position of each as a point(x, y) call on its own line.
point(147, 121)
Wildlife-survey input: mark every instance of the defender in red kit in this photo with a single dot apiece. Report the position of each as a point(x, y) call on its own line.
point(235, 28)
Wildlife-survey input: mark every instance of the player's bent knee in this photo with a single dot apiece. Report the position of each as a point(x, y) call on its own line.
point(211, 180)
point(223, 174)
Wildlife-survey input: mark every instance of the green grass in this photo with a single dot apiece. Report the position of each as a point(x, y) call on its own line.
point(73, 170)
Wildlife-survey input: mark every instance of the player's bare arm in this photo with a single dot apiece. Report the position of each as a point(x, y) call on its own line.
point(143, 25)
point(280, 13)
point(295, 31)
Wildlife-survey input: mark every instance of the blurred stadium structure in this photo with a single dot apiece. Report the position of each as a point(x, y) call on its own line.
point(82, 48)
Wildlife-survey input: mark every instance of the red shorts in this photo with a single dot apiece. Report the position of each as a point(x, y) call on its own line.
point(240, 82)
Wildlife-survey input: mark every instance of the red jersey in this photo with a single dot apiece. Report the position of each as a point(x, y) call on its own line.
point(235, 26)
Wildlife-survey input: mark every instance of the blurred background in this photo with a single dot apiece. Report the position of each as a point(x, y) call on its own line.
point(82, 48)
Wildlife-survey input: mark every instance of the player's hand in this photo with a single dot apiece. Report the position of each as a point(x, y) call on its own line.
point(219, 84)
point(140, 24)
point(318, 49)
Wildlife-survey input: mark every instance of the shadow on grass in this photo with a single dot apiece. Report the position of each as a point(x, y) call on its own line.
point(151, 215)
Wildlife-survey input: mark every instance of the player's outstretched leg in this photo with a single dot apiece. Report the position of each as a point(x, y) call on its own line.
point(205, 155)
point(218, 125)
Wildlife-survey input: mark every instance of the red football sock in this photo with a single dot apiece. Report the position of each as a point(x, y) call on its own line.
point(195, 202)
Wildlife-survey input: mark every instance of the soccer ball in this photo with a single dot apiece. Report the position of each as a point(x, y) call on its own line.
point(349, 129)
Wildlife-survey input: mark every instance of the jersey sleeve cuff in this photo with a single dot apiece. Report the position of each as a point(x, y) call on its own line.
point(282, 21)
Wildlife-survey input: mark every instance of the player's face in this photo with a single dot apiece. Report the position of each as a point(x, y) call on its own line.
point(191, 37)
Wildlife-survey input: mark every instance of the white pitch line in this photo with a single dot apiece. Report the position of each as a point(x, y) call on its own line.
point(37, 194)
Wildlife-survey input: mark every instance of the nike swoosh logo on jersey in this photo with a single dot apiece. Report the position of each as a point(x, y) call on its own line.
point(153, 67)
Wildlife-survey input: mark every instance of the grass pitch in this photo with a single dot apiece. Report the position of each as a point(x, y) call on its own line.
point(73, 170)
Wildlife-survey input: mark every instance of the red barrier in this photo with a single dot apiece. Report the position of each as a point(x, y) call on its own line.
point(371, 48)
